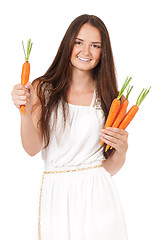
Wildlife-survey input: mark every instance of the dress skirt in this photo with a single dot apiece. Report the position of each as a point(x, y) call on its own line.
point(80, 205)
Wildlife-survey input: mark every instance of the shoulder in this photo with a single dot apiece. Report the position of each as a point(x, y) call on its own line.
point(36, 99)
point(40, 90)
point(36, 84)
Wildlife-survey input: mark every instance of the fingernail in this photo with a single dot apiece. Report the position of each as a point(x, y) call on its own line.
point(103, 130)
point(27, 84)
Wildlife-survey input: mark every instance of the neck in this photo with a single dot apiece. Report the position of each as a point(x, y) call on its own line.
point(82, 80)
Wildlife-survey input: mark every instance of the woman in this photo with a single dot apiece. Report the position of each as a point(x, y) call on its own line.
point(66, 110)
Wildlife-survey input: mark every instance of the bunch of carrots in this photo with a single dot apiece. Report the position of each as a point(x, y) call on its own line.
point(117, 116)
point(26, 68)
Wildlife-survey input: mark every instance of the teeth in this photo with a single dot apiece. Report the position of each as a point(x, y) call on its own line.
point(84, 59)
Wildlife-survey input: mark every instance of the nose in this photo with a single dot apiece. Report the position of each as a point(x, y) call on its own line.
point(86, 49)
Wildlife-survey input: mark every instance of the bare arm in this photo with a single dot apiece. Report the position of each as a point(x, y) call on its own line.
point(31, 135)
point(114, 163)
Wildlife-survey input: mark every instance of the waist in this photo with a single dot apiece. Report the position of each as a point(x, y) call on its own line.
point(65, 169)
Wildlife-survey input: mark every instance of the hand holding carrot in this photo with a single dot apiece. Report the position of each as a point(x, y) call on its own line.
point(26, 69)
point(121, 112)
point(115, 137)
point(22, 95)
point(115, 106)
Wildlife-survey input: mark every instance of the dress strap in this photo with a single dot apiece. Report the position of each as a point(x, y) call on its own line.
point(93, 99)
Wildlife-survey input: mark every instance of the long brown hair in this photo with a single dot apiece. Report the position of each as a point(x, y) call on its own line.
point(53, 86)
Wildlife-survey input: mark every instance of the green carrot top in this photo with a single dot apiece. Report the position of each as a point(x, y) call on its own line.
point(128, 89)
point(125, 84)
point(29, 47)
point(142, 96)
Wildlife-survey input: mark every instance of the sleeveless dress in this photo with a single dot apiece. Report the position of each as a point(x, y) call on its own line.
point(82, 204)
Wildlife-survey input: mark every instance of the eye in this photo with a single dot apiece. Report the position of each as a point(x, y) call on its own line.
point(78, 42)
point(96, 46)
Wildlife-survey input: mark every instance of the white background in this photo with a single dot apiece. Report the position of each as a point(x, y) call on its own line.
point(133, 29)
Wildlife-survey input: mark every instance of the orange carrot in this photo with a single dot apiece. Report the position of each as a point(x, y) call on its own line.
point(129, 117)
point(25, 73)
point(119, 117)
point(25, 69)
point(133, 110)
point(115, 106)
point(121, 112)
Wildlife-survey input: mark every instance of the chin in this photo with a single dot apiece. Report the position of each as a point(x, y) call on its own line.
point(84, 67)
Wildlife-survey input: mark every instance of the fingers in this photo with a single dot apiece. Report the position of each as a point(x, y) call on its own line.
point(115, 131)
point(109, 141)
point(21, 95)
point(115, 137)
point(109, 138)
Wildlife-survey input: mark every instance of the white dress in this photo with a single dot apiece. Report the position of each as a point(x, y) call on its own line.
point(83, 204)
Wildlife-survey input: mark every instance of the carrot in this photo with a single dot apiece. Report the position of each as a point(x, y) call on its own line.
point(121, 113)
point(128, 117)
point(115, 106)
point(25, 69)
point(134, 109)
point(123, 109)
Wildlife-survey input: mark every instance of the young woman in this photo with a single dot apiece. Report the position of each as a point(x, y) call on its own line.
point(66, 110)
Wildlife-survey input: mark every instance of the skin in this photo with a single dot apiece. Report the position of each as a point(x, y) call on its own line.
point(118, 139)
point(87, 46)
point(31, 135)
point(90, 48)
point(85, 56)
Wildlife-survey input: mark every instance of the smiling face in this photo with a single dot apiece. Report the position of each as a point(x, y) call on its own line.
point(87, 48)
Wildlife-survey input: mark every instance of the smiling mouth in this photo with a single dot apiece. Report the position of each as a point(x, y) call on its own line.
point(84, 59)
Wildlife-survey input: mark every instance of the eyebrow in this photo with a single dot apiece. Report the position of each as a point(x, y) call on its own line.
point(92, 42)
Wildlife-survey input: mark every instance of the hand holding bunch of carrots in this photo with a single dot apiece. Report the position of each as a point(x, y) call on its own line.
point(118, 120)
